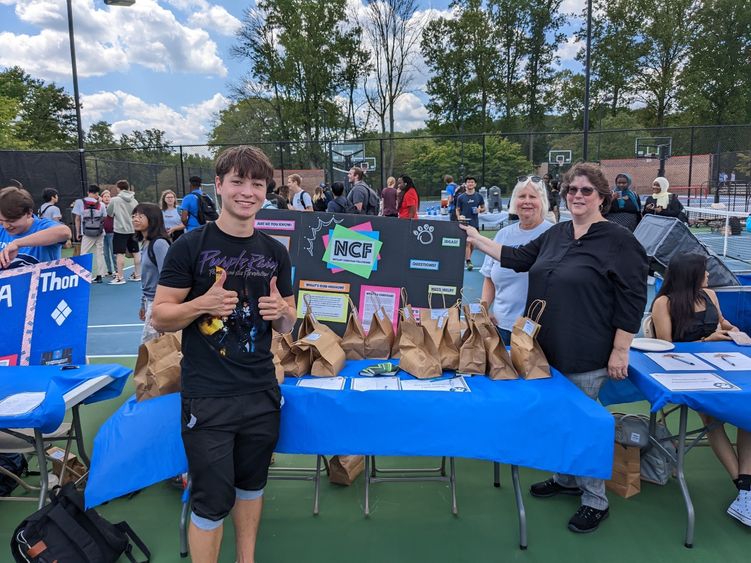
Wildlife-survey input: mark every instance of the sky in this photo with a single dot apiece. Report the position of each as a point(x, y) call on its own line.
point(165, 64)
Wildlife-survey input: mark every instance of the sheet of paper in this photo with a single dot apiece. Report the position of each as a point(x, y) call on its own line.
point(20, 403)
point(331, 307)
point(375, 384)
point(389, 297)
point(694, 382)
point(329, 383)
point(678, 361)
point(728, 361)
point(457, 384)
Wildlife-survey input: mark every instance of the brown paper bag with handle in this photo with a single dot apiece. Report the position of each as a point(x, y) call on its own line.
point(353, 341)
point(157, 370)
point(472, 356)
point(324, 346)
point(447, 349)
point(526, 354)
point(276, 350)
point(344, 469)
point(294, 362)
point(309, 321)
point(419, 355)
point(408, 310)
point(499, 365)
point(380, 337)
point(626, 478)
point(429, 319)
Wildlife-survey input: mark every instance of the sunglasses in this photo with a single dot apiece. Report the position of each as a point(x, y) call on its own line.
point(585, 191)
point(535, 179)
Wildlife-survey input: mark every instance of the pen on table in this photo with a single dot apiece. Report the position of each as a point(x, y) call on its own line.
point(679, 359)
point(723, 357)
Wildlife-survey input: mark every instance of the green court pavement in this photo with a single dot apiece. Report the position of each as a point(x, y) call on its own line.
point(413, 522)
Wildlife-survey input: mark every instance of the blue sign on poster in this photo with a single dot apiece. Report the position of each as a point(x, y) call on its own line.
point(45, 312)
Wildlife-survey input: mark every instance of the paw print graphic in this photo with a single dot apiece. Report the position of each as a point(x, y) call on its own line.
point(424, 234)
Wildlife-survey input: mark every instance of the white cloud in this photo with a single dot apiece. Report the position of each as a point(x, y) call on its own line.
point(573, 6)
point(205, 15)
point(410, 113)
point(110, 40)
point(188, 125)
point(568, 49)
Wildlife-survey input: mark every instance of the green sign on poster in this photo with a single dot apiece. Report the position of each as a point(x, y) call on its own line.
point(352, 251)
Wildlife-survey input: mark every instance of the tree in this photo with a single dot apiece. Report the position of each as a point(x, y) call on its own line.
point(392, 36)
point(8, 129)
point(508, 17)
point(45, 114)
point(716, 83)
point(100, 136)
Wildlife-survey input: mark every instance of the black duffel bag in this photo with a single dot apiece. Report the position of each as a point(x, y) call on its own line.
point(64, 532)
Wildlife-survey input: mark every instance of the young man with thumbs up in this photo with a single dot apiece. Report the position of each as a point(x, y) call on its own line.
point(227, 285)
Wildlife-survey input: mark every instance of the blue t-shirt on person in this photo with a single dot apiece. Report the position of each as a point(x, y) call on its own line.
point(450, 190)
point(468, 206)
point(29, 255)
point(190, 204)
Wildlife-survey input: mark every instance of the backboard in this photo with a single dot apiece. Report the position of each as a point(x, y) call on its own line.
point(651, 147)
point(366, 163)
point(343, 153)
point(560, 157)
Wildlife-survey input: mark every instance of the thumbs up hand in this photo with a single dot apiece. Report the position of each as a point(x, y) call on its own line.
point(272, 306)
point(217, 301)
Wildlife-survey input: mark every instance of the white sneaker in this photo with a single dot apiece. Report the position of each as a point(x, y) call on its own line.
point(116, 281)
point(740, 509)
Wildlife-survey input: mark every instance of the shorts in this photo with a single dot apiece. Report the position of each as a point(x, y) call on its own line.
point(123, 243)
point(229, 442)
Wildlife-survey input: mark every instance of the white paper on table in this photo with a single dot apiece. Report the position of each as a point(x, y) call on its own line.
point(728, 361)
point(694, 382)
point(329, 383)
point(457, 384)
point(678, 361)
point(375, 384)
point(21, 403)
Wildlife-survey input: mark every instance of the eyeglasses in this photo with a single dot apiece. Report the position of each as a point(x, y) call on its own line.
point(585, 191)
point(535, 179)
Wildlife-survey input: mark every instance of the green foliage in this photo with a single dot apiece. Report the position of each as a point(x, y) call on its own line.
point(44, 115)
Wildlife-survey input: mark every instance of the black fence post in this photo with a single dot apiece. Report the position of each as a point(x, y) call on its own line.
point(331, 162)
point(483, 159)
point(182, 172)
point(718, 171)
point(690, 164)
point(281, 162)
point(96, 170)
point(383, 164)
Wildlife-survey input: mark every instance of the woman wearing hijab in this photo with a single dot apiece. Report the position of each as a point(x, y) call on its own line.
point(662, 202)
point(625, 210)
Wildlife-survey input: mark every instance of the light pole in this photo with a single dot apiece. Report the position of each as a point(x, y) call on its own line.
point(585, 151)
point(76, 98)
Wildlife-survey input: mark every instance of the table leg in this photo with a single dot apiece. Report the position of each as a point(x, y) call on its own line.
point(452, 484)
point(520, 507)
point(682, 478)
point(367, 485)
point(43, 477)
point(184, 513)
point(496, 474)
point(725, 244)
point(79, 437)
point(317, 486)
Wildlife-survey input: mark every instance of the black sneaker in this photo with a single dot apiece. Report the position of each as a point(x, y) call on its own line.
point(98, 279)
point(587, 519)
point(550, 488)
point(469, 265)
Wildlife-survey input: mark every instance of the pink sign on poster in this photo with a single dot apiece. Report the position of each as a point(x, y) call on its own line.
point(387, 296)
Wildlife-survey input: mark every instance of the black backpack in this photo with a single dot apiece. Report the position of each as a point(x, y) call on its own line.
point(206, 209)
point(92, 220)
point(16, 464)
point(64, 531)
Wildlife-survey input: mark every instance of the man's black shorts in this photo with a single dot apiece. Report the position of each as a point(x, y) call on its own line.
point(122, 243)
point(229, 442)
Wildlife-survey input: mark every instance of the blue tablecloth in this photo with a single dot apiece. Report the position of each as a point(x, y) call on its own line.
point(733, 407)
point(54, 382)
point(546, 424)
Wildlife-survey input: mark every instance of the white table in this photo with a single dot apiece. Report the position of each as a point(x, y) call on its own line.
point(720, 213)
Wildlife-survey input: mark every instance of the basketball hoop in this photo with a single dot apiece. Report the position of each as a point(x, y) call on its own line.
point(560, 159)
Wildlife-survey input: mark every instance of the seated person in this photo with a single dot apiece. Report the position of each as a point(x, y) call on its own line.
point(685, 310)
point(663, 202)
point(26, 239)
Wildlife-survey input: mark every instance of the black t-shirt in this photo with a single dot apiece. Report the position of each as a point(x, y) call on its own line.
point(231, 356)
point(468, 206)
point(592, 287)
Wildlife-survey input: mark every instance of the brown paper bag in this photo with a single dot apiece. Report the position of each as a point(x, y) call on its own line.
point(294, 362)
point(429, 319)
point(380, 338)
point(447, 349)
point(276, 350)
point(309, 321)
point(626, 479)
point(324, 346)
point(408, 310)
point(157, 369)
point(419, 355)
point(344, 469)
point(526, 353)
point(472, 356)
point(353, 341)
point(499, 365)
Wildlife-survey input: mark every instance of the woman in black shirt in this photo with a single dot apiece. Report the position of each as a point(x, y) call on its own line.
point(685, 310)
point(593, 276)
point(625, 209)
